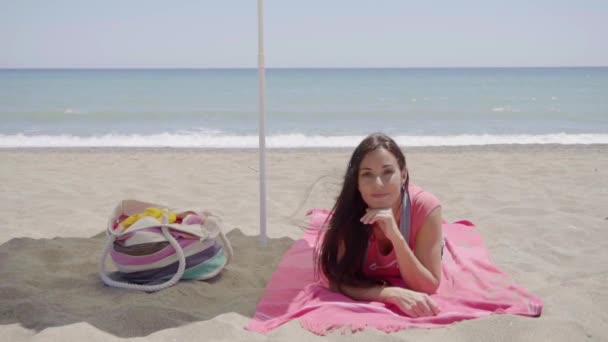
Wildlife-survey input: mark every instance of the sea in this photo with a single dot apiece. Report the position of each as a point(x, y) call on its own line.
point(320, 108)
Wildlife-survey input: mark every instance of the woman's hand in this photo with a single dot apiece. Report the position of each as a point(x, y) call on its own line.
point(413, 304)
point(385, 220)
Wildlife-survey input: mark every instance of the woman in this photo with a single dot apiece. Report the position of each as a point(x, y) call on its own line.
point(365, 246)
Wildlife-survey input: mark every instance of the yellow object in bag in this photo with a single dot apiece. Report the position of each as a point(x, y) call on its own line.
point(157, 213)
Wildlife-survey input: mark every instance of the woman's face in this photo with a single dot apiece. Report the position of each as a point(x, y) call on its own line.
point(380, 179)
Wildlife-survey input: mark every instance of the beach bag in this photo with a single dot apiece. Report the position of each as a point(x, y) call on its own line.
point(153, 247)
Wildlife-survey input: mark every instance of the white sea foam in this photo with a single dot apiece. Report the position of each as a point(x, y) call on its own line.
point(71, 111)
point(506, 109)
point(203, 140)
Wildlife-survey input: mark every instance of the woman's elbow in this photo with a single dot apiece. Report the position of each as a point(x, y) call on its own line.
point(432, 287)
point(429, 287)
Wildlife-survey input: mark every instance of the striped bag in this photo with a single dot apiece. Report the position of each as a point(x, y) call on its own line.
point(153, 247)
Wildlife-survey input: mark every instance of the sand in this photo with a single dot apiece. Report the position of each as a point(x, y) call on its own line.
point(541, 209)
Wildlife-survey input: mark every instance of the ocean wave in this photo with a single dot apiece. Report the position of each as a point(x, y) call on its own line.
point(506, 109)
point(204, 140)
point(72, 111)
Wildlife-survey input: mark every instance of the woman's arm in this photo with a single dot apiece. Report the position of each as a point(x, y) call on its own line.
point(375, 293)
point(421, 268)
point(414, 304)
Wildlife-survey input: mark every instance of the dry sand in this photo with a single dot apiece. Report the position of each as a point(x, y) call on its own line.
point(542, 211)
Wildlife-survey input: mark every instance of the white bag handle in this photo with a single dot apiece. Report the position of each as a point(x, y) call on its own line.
point(148, 288)
point(178, 249)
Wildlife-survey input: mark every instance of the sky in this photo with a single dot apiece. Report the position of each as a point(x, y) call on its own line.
point(312, 33)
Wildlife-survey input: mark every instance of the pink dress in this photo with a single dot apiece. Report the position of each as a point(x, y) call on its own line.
point(380, 266)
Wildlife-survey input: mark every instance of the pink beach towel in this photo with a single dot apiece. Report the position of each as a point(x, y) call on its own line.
point(471, 287)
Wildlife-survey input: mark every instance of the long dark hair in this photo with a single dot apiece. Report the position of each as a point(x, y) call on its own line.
point(344, 225)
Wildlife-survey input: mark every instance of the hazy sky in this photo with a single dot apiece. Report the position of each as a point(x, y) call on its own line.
point(311, 33)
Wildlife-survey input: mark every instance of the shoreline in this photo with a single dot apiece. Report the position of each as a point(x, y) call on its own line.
point(472, 148)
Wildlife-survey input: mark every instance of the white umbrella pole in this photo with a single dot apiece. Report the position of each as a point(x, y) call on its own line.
point(262, 124)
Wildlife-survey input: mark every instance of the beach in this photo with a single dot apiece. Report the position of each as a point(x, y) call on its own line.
point(541, 210)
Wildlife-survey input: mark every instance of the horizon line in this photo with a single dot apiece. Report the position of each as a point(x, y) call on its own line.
point(308, 68)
